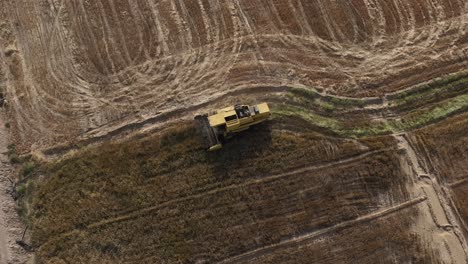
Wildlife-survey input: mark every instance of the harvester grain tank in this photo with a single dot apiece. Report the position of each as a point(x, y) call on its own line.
point(227, 121)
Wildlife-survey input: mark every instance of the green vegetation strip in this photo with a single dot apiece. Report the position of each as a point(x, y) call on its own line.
point(436, 90)
point(412, 120)
point(327, 102)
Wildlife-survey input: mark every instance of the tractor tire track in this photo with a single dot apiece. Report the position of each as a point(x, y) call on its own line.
point(439, 211)
point(11, 227)
point(249, 256)
point(95, 76)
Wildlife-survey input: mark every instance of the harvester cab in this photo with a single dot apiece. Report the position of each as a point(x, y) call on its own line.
point(225, 122)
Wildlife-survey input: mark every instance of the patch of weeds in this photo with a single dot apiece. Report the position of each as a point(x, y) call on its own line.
point(12, 155)
point(23, 194)
point(328, 102)
point(346, 102)
point(21, 189)
point(328, 107)
point(309, 93)
point(303, 113)
point(382, 127)
point(433, 91)
point(427, 116)
point(28, 168)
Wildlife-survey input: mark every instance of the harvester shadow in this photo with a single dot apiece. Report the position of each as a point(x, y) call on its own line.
point(239, 149)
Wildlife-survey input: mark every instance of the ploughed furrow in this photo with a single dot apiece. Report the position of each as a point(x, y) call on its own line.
point(82, 66)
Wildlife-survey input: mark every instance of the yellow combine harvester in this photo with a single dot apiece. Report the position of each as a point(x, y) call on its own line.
point(227, 121)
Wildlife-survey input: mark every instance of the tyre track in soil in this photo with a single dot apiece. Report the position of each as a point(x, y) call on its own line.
point(11, 227)
point(196, 70)
point(155, 123)
point(303, 239)
point(105, 133)
point(438, 221)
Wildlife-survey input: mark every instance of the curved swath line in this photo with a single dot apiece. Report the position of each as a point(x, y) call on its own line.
point(433, 17)
point(206, 23)
point(135, 12)
point(376, 13)
point(89, 30)
point(411, 19)
point(158, 23)
point(332, 27)
point(109, 42)
point(301, 14)
point(138, 213)
point(251, 33)
point(205, 72)
point(38, 104)
point(277, 22)
point(151, 32)
point(192, 81)
point(200, 71)
point(287, 39)
point(120, 35)
point(220, 28)
point(354, 16)
point(336, 27)
point(67, 69)
point(186, 39)
point(35, 107)
point(62, 74)
point(397, 18)
point(311, 35)
point(192, 28)
point(75, 88)
point(237, 43)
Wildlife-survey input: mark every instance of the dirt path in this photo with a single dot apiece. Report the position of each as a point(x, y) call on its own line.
point(11, 227)
point(437, 223)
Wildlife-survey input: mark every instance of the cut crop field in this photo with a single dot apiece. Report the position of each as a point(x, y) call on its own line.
point(364, 159)
point(86, 69)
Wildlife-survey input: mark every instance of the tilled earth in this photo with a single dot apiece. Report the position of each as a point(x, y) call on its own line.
point(368, 166)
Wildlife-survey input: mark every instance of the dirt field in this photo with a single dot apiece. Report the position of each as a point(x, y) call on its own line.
point(11, 227)
point(87, 68)
point(363, 161)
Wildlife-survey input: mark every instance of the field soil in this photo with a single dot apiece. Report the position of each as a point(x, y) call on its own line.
point(11, 226)
point(364, 159)
point(94, 69)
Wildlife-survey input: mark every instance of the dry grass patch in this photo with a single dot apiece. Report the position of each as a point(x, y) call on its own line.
point(166, 199)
